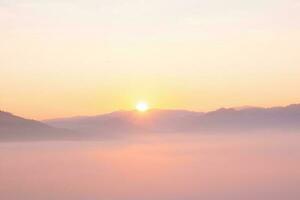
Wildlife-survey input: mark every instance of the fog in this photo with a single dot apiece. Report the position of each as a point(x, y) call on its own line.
point(151, 166)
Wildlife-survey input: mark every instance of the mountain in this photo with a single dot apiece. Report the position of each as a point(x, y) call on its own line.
point(129, 121)
point(14, 128)
point(247, 119)
point(253, 118)
point(222, 120)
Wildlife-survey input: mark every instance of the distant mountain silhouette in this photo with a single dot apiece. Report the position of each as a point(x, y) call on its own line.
point(222, 120)
point(244, 119)
point(14, 128)
point(129, 121)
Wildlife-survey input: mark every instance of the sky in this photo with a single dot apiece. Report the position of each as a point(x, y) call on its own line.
point(64, 58)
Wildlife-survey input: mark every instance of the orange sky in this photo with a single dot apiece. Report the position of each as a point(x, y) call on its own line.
point(64, 58)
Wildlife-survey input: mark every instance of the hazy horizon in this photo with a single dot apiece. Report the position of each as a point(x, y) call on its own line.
point(172, 109)
point(133, 109)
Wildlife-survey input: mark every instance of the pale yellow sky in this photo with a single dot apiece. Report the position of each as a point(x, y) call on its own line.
point(65, 58)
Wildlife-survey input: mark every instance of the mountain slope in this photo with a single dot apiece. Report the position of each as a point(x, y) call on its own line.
point(16, 128)
point(129, 121)
point(222, 120)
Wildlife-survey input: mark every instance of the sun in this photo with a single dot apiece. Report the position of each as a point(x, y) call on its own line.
point(142, 106)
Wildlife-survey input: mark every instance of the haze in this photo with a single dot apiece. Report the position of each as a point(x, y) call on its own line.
point(64, 58)
point(211, 167)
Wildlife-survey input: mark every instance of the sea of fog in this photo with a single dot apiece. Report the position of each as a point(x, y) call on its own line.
point(154, 167)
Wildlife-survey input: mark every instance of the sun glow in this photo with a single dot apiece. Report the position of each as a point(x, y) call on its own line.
point(142, 107)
